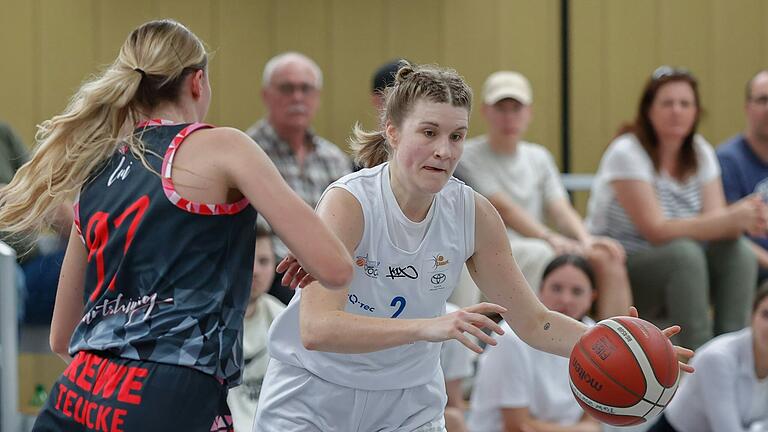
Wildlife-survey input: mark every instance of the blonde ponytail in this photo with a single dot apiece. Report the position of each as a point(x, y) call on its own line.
point(369, 147)
point(74, 144)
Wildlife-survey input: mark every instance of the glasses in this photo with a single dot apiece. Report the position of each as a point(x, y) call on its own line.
point(288, 89)
point(760, 100)
point(669, 71)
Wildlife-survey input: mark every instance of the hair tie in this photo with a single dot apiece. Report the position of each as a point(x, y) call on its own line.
point(139, 70)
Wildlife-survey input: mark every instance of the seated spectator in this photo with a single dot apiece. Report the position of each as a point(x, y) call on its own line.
point(729, 391)
point(658, 192)
point(520, 388)
point(383, 78)
point(40, 260)
point(744, 160)
point(522, 181)
point(261, 311)
point(291, 86)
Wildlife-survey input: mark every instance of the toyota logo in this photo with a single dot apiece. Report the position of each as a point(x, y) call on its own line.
point(438, 278)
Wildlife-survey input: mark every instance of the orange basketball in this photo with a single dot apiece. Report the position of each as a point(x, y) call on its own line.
point(623, 371)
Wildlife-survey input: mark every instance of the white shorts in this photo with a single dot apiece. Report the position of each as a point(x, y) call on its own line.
point(293, 399)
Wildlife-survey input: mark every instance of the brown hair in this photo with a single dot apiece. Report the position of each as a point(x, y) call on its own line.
point(643, 129)
point(152, 64)
point(412, 84)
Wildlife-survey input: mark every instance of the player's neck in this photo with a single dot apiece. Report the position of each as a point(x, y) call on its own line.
point(175, 113)
point(413, 204)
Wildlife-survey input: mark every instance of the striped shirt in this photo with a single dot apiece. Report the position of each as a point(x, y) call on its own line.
point(626, 159)
point(324, 164)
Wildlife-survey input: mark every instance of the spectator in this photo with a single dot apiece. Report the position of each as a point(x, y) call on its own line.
point(520, 388)
point(291, 86)
point(744, 160)
point(40, 258)
point(522, 181)
point(729, 391)
point(658, 192)
point(383, 77)
point(261, 311)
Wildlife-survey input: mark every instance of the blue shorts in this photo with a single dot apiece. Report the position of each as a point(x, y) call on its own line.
point(99, 392)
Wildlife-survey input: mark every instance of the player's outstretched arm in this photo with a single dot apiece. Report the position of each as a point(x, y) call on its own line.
point(495, 272)
point(248, 169)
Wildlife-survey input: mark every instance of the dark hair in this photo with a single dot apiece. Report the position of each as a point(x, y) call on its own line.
point(760, 295)
point(643, 129)
point(263, 230)
point(385, 76)
point(577, 261)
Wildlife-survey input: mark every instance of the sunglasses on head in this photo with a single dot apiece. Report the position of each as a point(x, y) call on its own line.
point(669, 71)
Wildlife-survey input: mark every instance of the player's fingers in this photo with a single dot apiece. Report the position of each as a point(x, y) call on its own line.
point(684, 352)
point(306, 280)
point(461, 337)
point(285, 263)
point(485, 308)
point(482, 321)
point(671, 331)
point(687, 368)
point(476, 332)
point(633, 312)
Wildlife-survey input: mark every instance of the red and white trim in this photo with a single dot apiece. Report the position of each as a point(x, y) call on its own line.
point(183, 203)
point(156, 122)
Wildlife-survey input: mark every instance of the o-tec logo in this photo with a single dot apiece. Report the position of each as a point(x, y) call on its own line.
point(438, 278)
point(439, 261)
point(370, 267)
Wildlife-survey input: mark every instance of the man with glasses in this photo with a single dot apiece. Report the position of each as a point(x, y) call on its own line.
point(744, 159)
point(291, 85)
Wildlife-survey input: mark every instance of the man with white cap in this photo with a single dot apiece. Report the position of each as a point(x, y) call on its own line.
point(522, 181)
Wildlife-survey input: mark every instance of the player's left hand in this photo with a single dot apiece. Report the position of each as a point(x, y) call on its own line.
point(295, 275)
point(684, 354)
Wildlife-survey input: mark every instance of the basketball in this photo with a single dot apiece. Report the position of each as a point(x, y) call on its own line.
point(623, 371)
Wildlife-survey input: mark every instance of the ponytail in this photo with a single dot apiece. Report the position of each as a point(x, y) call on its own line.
point(369, 147)
point(75, 143)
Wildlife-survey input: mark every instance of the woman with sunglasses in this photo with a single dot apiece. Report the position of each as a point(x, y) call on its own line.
point(658, 192)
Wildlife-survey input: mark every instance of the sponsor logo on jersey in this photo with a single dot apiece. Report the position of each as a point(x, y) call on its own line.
point(398, 272)
point(369, 266)
point(439, 261)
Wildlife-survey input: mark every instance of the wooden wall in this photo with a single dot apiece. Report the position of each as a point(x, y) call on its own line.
point(50, 46)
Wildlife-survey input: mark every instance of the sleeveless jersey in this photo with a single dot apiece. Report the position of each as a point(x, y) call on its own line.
point(390, 283)
point(167, 279)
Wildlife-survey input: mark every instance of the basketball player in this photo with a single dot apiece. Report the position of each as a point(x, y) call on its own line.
point(340, 362)
point(157, 272)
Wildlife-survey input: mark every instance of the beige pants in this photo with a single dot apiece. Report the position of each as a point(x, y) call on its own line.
point(532, 256)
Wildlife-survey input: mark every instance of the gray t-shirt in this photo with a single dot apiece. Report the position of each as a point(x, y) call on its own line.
point(529, 176)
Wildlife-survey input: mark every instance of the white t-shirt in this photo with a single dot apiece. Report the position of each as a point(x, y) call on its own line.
point(724, 393)
point(390, 282)
point(514, 375)
point(626, 159)
point(244, 399)
point(529, 176)
point(455, 359)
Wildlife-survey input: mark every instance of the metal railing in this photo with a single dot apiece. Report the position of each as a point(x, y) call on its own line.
point(9, 333)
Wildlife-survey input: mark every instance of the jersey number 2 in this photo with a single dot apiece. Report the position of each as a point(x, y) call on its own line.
point(398, 300)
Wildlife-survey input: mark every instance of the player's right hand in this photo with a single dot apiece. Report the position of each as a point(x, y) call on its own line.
point(470, 320)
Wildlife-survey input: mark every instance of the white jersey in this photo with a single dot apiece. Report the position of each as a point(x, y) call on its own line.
point(390, 282)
